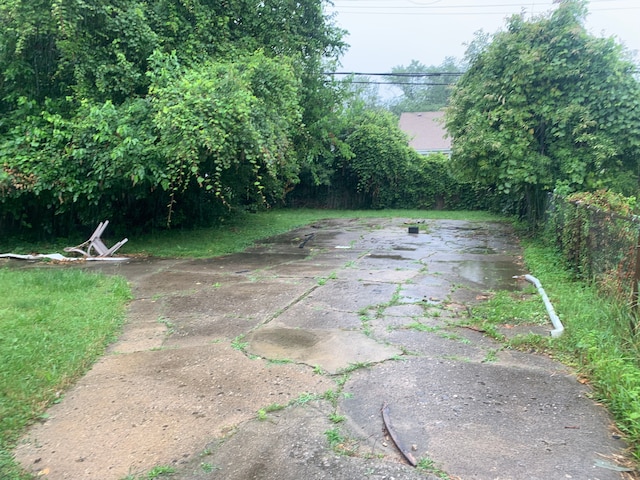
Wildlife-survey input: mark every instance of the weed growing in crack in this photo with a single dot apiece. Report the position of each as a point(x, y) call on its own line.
point(340, 382)
point(399, 358)
point(421, 327)
point(491, 356)
point(453, 336)
point(274, 407)
point(208, 467)
point(171, 328)
point(323, 280)
point(279, 361)
point(355, 366)
point(340, 444)
point(365, 321)
point(427, 465)
point(238, 344)
point(393, 301)
point(331, 396)
point(456, 358)
point(156, 472)
point(406, 352)
point(305, 398)
point(334, 436)
point(335, 418)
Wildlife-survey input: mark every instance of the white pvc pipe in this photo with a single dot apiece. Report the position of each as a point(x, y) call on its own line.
point(557, 324)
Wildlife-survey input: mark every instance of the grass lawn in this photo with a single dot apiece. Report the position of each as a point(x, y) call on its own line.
point(235, 235)
point(54, 323)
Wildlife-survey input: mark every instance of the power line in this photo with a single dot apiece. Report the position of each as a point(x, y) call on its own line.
point(374, 82)
point(417, 75)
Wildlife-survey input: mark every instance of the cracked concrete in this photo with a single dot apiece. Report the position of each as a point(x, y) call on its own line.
point(248, 365)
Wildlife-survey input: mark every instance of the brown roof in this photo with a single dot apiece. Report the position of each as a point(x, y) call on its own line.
point(426, 131)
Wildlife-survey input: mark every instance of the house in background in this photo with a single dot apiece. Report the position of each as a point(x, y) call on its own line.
point(426, 132)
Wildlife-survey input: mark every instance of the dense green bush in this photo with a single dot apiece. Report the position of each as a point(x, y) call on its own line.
point(530, 115)
point(162, 113)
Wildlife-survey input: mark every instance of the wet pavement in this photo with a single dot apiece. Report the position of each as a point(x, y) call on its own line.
point(275, 363)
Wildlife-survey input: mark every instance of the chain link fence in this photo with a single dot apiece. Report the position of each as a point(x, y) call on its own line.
point(598, 245)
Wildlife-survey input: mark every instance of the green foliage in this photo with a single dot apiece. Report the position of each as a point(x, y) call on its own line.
point(376, 169)
point(606, 200)
point(380, 156)
point(426, 464)
point(238, 344)
point(227, 127)
point(371, 165)
point(534, 112)
point(218, 131)
point(428, 93)
point(597, 235)
point(334, 436)
point(144, 110)
point(430, 183)
point(160, 471)
point(54, 48)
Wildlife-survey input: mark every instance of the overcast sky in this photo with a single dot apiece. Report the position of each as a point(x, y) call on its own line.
point(388, 33)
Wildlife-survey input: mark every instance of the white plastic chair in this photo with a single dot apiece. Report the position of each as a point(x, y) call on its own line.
point(96, 244)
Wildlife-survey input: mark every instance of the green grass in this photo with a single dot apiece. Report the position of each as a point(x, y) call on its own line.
point(427, 465)
point(274, 407)
point(597, 340)
point(54, 323)
point(237, 234)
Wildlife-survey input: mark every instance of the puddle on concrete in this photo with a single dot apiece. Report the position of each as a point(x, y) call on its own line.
point(332, 350)
point(287, 338)
point(480, 251)
point(491, 275)
point(405, 249)
point(387, 257)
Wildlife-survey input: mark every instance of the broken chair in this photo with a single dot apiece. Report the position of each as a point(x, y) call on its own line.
point(95, 247)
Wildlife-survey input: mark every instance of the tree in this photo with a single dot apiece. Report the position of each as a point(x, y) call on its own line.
point(424, 89)
point(380, 157)
point(119, 106)
point(227, 127)
point(546, 106)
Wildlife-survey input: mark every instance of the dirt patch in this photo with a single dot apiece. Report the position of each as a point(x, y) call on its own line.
point(275, 363)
